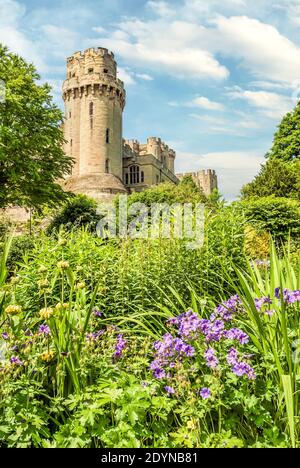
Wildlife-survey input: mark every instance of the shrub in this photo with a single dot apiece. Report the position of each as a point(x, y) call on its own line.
point(278, 216)
point(78, 212)
point(20, 247)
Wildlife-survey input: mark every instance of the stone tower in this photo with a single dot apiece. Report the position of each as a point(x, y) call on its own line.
point(94, 102)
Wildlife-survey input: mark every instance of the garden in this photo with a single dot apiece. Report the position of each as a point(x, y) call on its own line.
point(144, 343)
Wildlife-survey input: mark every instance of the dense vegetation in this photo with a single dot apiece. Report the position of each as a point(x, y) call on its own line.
point(146, 342)
point(31, 154)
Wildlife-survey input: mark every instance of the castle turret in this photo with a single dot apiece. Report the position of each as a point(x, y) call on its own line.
point(94, 102)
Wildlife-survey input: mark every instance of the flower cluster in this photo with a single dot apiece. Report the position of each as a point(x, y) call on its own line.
point(193, 331)
point(290, 297)
point(48, 356)
point(44, 330)
point(239, 368)
point(13, 310)
point(167, 352)
point(120, 346)
point(46, 313)
point(63, 265)
point(15, 361)
point(228, 309)
point(92, 337)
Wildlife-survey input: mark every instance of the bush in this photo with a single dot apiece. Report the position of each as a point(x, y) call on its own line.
point(185, 192)
point(278, 216)
point(20, 247)
point(78, 212)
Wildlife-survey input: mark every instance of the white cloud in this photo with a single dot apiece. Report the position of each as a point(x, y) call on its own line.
point(144, 76)
point(99, 29)
point(263, 50)
point(234, 168)
point(161, 8)
point(272, 105)
point(126, 76)
point(206, 103)
point(10, 12)
point(172, 48)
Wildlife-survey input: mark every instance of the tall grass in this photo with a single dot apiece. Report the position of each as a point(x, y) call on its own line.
point(276, 337)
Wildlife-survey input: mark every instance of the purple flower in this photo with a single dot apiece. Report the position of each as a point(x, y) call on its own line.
point(270, 313)
point(170, 390)
point(159, 373)
point(211, 360)
point(172, 321)
point(44, 330)
point(5, 336)
point(16, 361)
point(243, 368)
point(232, 356)
point(277, 293)
point(120, 346)
point(259, 303)
point(237, 334)
point(94, 336)
point(97, 313)
point(205, 393)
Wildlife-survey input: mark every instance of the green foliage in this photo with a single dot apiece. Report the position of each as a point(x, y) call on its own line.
point(286, 145)
point(275, 178)
point(21, 246)
point(278, 216)
point(185, 192)
point(78, 212)
point(31, 154)
point(276, 337)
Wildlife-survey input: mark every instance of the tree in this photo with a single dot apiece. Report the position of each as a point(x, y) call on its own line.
point(278, 216)
point(275, 178)
point(286, 144)
point(185, 192)
point(31, 155)
point(78, 212)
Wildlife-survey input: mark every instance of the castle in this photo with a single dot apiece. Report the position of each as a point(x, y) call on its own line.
point(105, 163)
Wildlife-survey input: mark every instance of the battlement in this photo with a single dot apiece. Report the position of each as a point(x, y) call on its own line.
point(91, 51)
point(205, 179)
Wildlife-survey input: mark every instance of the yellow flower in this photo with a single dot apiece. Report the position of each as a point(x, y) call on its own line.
point(60, 306)
point(13, 310)
point(80, 285)
point(191, 425)
point(48, 356)
point(63, 265)
point(15, 280)
point(43, 284)
point(62, 242)
point(46, 313)
point(42, 269)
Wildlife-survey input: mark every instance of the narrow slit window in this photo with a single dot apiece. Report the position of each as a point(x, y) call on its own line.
point(105, 70)
point(142, 177)
point(91, 108)
point(107, 135)
point(107, 166)
point(126, 179)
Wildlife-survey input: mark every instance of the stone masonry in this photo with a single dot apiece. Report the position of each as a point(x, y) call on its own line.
point(105, 164)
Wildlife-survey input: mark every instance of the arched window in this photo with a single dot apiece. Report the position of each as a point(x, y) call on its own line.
point(142, 177)
point(134, 175)
point(107, 136)
point(107, 166)
point(126, 178)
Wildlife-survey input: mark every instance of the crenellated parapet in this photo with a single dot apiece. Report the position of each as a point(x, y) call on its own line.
point(93, 73)
point(205, 179)
point(155, 147)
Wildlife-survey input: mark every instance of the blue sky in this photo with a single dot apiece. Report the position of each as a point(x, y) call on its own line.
point(212, 78)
